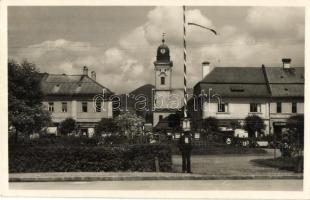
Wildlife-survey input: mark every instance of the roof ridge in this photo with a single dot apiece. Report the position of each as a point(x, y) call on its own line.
point(99, 84)
point(266, 79)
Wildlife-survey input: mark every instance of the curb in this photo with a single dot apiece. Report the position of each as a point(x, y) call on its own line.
point(149, 178)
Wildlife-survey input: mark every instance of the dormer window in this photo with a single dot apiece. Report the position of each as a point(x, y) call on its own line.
point(237, 89)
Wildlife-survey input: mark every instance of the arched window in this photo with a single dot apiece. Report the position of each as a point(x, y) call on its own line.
point(162, 80)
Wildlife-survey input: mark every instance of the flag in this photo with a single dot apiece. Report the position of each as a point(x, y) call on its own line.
point(210, 29)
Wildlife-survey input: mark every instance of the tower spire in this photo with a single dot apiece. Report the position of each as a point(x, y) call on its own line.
point(163, 40)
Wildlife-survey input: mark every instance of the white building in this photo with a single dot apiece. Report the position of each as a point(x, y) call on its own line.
point(72, 96)
point(273, 93)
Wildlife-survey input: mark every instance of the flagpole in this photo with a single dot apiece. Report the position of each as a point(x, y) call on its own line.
point(186, 122)
point(184, 55)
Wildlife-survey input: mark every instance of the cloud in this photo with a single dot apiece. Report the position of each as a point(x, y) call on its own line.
point(266, 35)
point(276, 22)
point(115, 68)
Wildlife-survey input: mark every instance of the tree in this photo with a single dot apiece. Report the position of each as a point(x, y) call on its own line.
point(26, 113)
point(106, 125)
point(253, 124)
point(67, 126)
point(295, 124)
point(235, 124)
point(129, 124)
point(210, 124)
point(174, 120)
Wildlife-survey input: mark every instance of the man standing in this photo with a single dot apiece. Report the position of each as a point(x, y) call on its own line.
point(185, 145)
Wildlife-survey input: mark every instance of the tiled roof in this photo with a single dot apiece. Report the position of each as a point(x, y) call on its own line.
point(255, 82)
point(62, 84)
point(287, 90)
point(235, 90)
point(286, 82)
point(278, 75)
point(235, 75)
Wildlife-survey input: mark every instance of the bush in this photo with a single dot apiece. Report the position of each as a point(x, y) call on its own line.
point(210, 124)
point(115, 139)
point(67, 126)
point(106, 126)
point(53, 141)
point(219, 149)
point(296, 126)
point(88, 159)
point(253, 123)
point(142, 157)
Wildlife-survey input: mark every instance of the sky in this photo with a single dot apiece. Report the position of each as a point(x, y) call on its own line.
point(120, 43)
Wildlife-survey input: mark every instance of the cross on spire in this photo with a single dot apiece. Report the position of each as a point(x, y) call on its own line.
point(163, 40)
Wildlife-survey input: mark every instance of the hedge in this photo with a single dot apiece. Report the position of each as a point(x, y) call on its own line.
point(218, 149)
point(89, 159)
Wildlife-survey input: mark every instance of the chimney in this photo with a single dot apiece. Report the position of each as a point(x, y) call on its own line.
point(85, 71)
point(206, 69)
point(286, 63)
point(93, 75)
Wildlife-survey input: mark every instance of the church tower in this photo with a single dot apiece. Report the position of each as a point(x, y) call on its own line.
point(163, 72)
point(163, 67)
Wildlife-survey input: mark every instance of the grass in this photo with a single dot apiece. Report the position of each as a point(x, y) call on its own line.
point(294, 164)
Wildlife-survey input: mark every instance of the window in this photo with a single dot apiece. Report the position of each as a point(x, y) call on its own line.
point(84, 106)
point(294, 107)
point(222, 107)
point(279, 107)
point(64, 107)
point(51, 106)
point(98, 106)
point(255, 107)
point(162, 80)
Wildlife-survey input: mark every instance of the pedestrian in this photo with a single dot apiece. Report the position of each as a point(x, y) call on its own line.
point(185, 145)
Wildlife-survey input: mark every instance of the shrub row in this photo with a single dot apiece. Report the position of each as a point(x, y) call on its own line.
point(57, 141)
point(89, 159)
point(217, 148)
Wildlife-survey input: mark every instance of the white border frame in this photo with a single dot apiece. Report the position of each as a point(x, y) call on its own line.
point(305, 194)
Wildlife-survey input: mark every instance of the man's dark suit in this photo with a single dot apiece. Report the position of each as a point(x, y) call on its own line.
point(185, 145)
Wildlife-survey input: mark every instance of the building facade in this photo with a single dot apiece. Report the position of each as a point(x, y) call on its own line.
point(166, 100)
point(163, 78)
point(76, 96)
point(230, 94)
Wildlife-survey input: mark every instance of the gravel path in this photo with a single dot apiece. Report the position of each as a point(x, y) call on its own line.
point(229, 165)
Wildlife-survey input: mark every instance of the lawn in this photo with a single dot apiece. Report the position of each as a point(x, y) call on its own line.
point(292, 164)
